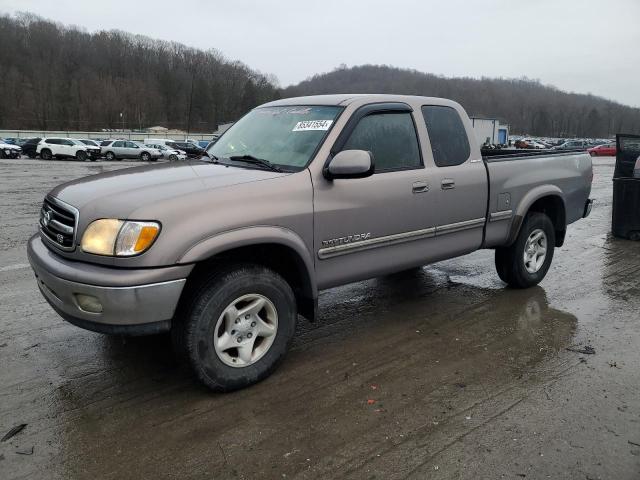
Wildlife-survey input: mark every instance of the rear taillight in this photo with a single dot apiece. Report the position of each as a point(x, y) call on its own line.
point(636, 168)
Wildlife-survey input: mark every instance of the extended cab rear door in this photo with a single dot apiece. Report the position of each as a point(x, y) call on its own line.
point(364, 227)
point(460, 179)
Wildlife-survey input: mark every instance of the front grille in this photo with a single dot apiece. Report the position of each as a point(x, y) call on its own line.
point(58, 223)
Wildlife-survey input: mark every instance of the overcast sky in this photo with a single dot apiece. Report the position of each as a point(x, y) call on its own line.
point(585, 46)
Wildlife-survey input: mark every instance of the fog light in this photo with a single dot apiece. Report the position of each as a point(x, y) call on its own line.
point(88, 303)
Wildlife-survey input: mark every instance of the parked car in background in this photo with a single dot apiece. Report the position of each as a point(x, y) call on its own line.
point(93, 150)
point(15, 141)
point(50, 147)
point(203, 143)
point(535, 144)
point(573, 145)
point(168, 153)
point(192, 150)
point(89, 142)
point(119, 149)
point(8, 150)
point(605, 150)
point(29, 147)
point(529, 143)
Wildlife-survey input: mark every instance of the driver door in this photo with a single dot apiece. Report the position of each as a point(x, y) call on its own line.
point(365, 227)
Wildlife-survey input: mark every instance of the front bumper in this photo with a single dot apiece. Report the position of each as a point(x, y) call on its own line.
point(12, 152)
point(133, 301)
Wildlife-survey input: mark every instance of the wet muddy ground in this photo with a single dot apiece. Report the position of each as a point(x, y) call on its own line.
point(438, 373)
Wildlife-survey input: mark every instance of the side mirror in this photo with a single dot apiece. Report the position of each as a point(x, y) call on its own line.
point(350, 164)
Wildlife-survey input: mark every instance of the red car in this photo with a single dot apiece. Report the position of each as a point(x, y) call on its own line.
point(606, 150)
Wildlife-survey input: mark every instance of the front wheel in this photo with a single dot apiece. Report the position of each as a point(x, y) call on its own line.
point(81, 155)
point(526, 262)
point(110, 156)
point(236, 327)
point(145, 157)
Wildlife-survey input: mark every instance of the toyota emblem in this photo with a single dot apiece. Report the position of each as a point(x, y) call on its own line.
point(60, 238)
point(46, 218)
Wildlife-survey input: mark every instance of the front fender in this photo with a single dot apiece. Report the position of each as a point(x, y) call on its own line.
point(255, 235)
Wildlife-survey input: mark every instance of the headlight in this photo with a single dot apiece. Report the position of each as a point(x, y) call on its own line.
point(120, 238)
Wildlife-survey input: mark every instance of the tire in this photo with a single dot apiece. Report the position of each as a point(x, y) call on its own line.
point(81, 155)
point(511, 264)
point(202, 320)
point(145, 157)
point(45, 154)
point(2, 155)
point(31, 155)
point(110, 156)
point(173, 158)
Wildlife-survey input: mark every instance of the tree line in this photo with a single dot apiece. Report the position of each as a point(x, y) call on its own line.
point(54, 77)
point(527, 105)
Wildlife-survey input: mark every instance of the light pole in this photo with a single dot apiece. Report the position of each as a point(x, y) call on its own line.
point(193, 74)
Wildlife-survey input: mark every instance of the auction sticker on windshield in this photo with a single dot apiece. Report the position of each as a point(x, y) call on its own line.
point(312, 125)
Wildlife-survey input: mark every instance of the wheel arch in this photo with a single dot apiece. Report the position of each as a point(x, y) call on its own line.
point(547, 199)
point(274, 247)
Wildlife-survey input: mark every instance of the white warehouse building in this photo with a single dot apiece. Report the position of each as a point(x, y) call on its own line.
point(490, 130)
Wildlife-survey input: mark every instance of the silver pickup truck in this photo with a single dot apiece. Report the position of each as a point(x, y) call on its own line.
point(300, 195)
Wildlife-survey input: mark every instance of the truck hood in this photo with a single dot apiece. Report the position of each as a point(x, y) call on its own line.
point(118, 193)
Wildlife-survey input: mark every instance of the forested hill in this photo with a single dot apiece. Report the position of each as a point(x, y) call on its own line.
point(56, 77)
point(528, 106)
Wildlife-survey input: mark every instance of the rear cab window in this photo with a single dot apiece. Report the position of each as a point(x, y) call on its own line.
point(448, 137)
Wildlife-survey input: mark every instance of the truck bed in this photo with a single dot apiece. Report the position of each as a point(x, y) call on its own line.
point(516, 179)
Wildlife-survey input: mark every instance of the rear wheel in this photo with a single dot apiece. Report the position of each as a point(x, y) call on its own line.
point(31, 155)
point(236, 327)
point(45, 154)
point(526, 262)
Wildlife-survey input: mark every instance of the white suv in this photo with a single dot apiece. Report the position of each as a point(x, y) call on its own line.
point(49, 148)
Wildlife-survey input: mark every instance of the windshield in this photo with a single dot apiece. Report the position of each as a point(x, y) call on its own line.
point(285, 136)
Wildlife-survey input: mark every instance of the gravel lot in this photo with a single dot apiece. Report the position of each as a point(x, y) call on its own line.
point(438, 373)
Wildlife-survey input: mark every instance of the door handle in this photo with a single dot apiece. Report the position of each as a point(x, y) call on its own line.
point(448, 184)
point(420, 187)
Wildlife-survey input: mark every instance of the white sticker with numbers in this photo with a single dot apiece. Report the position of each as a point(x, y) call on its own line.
point(312, 125)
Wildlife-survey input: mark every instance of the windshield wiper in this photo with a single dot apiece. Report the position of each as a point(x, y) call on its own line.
point(207, 157)
point(256, 161)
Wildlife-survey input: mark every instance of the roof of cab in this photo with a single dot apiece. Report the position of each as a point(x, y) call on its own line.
point(344, 99)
